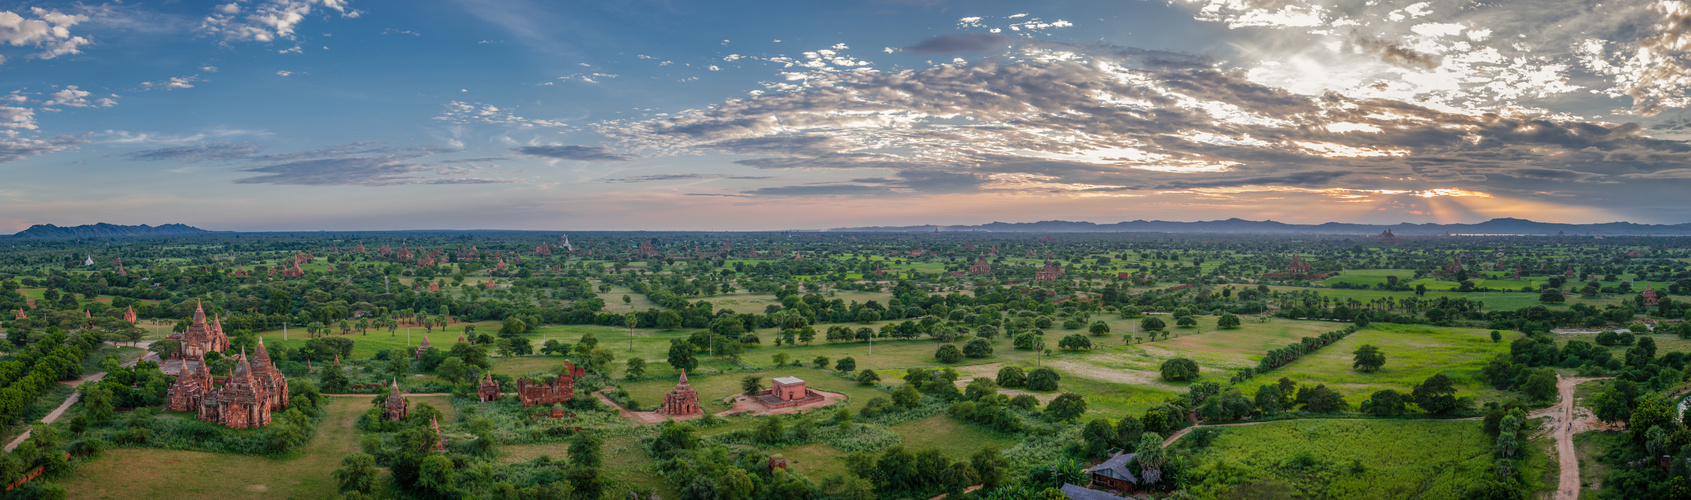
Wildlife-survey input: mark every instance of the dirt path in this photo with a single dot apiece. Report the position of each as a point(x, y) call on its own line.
point(1565, 422)
point(54, 415)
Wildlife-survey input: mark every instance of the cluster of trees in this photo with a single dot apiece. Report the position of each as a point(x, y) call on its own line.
point(45, 361)
point(1276, 358)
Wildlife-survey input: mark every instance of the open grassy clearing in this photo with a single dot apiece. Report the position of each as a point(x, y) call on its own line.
point(1314, 459)
point(1589, 447)
point(956, 440)
point(626, 465)
point(1413, 353)
point(154, 473)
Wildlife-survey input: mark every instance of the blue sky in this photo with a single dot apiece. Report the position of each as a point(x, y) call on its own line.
point(353, 114)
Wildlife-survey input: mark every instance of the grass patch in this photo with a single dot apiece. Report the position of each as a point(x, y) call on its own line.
point(1413, 353)
point(1314, 458)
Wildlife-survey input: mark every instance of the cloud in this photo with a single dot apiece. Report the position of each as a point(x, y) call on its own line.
point(577, 153)
point(20, 148)
point(1044, 117)
point(72, 96)
point(16, 118)
point(48, 30)
point(175, 82)
point(678, 177)
point(216, 151)
point(377, 170)
point(266, 20)
point(952, 43)
point(474, 112)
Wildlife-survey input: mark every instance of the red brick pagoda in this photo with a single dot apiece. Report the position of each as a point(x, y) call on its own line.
point(201, 337)
point(682, 400)
point(558, 390)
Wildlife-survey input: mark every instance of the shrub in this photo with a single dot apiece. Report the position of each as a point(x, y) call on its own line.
point(1180, 369)
point(1043, 379)
point(977, 348)
point(948, 353)
point(1011, 376)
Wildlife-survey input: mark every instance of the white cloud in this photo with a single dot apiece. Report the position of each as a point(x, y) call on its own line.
point(460, 112)
point(74, 97)
point(174, 83)
point(49, 30)
point(15, 118)
point(268, 20)
point(284, 73)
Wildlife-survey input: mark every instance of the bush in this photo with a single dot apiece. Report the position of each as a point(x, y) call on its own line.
point(1043, 379)
point(948, 353)
point(1012, 376)
point(1075, 342)
point(846, 364)
point(977, 348)
point(1180, 369)
point(868, 377)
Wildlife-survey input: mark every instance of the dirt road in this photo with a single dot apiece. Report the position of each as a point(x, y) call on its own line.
point(1566, 419)
point(54, 415)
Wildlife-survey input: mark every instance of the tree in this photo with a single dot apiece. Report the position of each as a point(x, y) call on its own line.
point(333, 381)
point(435, 475)
point(948, 354)
point(1075, 342)
point(1151, 458)
point(1552, 296)
point(1043, 379)
point(751, 385)
point(867, 377)
point(1099, 328)
point(1066, 407)
point(1227, 322)
point(681, 355)
point(399, 363)
point(1368, 358)
point(1268, 399)
point(1496, 336)
point(820, 361)
point(358, 473)
point(1152, 324)
point(1180, 369)
point(1385, 403)
point(1540, 385)
point(1436, 395)
point(780, 359)
point(1186, 322)
point(906, 396)
point(636, 369)
point(977, 348)
point(846, 364)
point(1611, 406)
point(1011, 376)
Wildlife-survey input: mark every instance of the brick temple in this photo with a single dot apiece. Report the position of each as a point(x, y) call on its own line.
point(787, 392)
point(682, 400)
point(201, 337)
point(488, 390)
point(245, 399)
point(558, 390)
point(1048, 273)
point(396, 407)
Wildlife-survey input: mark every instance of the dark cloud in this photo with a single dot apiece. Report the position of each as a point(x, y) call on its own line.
point(1396, 54)
point(820, 190)
point(961, 42)
point(1298, 179)
point(665, 177)
point(216, 151)
point(577, 153)
point(1549, 174)
point(357, 171)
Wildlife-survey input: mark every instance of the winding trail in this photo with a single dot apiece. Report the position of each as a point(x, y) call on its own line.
point(1564, 424)
point(54, 415)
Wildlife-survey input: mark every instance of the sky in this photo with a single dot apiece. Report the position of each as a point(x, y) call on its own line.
point(284, 115)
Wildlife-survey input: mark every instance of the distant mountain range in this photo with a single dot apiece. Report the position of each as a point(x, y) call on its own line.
point(104, 230)
point(1241, 226)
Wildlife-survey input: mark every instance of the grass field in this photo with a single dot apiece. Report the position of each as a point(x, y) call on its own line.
point(956, 440)
point(1413, 353)
point(1314, 459)
point(626, 465)
point(153, 473)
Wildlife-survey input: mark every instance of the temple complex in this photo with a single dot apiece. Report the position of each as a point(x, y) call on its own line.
point(981, 266)
point(293, 272)
point(1387, 236)
point(269, 379)
point(646, 249)
point(560, 389)
point(488, 390)
point(1048, 273)
point(396, 407)
point(201, 337)
point(682, 400)
point(1650, 299)
point(786, 392)
point(244, 401)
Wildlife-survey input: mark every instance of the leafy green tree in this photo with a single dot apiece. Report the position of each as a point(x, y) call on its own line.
point(636, 369)
point(1384, 403)
point(1043, 379)
point(977, 348)
point(1540, 385)
point(1152, 324)
point(399, 363)
point(1099, 328)
point(333, 381)
point(358, 473)
point(1186, 322)
point(868, 377)
point(1437, 395)
point(1227, 322)
point(751, 385)
point(1611, 406)
point(948, 354)
point(906, 396)
point(1496, 336)
point(1066, 407)
point(1075, 342)
point(1268, 400)
point(1011, 376)
point(846, 364)
point(1179, 369)
point(1368, 358)
point(820, 361)
point(681, 355)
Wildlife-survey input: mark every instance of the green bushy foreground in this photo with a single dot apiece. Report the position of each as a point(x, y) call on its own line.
point(1346, 459)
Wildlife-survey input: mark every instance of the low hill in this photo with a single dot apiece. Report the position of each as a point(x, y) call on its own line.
point(1494, 226)
point(104, 230)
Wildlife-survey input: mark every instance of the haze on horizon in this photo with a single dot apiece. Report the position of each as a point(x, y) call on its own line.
point(268, 115)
